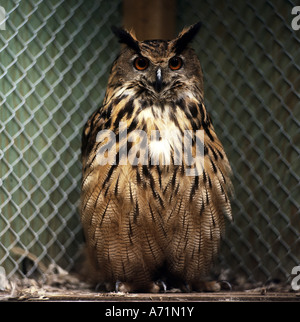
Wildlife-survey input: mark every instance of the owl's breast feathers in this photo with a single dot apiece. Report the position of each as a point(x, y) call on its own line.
point(168, 125)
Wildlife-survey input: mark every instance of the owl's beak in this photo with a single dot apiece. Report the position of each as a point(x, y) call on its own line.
point(158, 80)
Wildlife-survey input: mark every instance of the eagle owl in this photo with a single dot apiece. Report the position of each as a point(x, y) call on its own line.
point(156, 180)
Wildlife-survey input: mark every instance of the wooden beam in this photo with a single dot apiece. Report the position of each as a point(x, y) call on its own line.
point(150, 19)
point(35, 294)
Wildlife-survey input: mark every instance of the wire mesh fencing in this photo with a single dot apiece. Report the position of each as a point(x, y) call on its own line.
point(54, 57)
point(54, 60)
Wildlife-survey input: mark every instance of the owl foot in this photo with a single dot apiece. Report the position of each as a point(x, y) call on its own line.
point(211, 286)
point(226, 286)
point(100, 287)
point(122, 287)
point(206, 286)
point(159, 286)
point(154, 287)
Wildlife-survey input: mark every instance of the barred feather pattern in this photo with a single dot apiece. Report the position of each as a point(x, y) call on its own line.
point(144, 221)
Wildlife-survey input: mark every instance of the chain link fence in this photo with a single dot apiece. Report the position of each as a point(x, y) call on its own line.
point(54, 59)
point(55, 56)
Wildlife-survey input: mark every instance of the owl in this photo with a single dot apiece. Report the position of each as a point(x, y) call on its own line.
point(155, 178)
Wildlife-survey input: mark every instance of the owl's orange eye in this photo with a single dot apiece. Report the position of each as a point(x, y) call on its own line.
point(175, 63)
point(141, 63)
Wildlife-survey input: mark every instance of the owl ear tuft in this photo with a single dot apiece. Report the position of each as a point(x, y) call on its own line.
point(185, 37)
point(127, 38)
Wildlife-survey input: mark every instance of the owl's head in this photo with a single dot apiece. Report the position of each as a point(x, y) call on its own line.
point(159, 68)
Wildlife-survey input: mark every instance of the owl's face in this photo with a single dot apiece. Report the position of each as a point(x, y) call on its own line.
point(159, 68)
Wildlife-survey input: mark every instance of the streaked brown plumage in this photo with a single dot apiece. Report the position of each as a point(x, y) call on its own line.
point(149, 222)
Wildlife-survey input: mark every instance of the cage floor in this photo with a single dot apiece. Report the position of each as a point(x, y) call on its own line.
point(40, 295)
point(58, 285)
point(86, 296)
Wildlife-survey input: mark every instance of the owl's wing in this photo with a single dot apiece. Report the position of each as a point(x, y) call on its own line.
point(94, 124)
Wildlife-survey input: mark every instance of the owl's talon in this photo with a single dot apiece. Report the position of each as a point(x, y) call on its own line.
point(100, 287)
point(226, 286)
point(162, 286)
point(123, 287)
point(186, 288)
point(117, 286)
